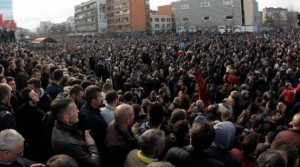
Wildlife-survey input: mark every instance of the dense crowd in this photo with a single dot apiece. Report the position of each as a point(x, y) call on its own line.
point(137, 100)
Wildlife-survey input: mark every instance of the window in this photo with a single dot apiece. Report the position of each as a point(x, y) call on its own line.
point(156, 19)
point(227, 2)
point(168, 20)
point(186, 19)
point(185, 6)
point(163, 20)
point(205, 4)
point(206, 18)
point(168, 25)
point(156, 25)
point(228, 17)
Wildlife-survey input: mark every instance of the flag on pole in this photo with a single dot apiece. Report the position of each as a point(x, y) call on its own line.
point(202, 94)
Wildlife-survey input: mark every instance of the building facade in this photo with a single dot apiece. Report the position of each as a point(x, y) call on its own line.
point(128, 15)
point(6, 9)
point(215, 15)
point(272, 14)
point(45, 27)
point(86, 17)
point(161, 23)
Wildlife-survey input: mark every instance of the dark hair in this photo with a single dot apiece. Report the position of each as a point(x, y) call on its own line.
point(85, 84)
point(35, 82)
point(271, 158)
point(202, 135)
point(61, 160)
point(111, 96)
point(9, 79)
point(18, 61)
point(58, 75)
point(156, 114)
point(250, 142)
point(35, 70)
point(76, 89)
point(128, 97)
point(1, 78)
point(25, 94)
point(291, 153)
point(91, 93)
point(59, 106)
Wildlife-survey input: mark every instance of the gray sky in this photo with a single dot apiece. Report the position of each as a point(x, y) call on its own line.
point(28, 13)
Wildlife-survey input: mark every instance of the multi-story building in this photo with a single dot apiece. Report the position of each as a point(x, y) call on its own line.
point(216, 15)
point(272, 14)
point(161, 23)
point(128, 15)
point(86, 17)
point(6, 15)
point(45, 27)
point(6, 9)
point(168, 10)
point(70, 24)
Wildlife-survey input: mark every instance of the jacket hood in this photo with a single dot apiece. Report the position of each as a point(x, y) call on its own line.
point(225, 132)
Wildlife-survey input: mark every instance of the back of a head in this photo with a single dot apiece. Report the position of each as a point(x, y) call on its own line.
point(61, 160)
point(151, 140)
point(177, 115)
point(58, 75)
point(202, 135)
point(296, 121)
point(272, 158)
point(111, 96)
point(107, 87)
point(4, 90)
point(122, 112)
point(249, 143)
point(225, 132)
point(91, 93)
point(76, 89)
point(156, 114)
point(291, 153)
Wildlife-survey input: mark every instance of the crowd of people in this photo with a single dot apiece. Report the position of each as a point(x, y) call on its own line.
point(136, 100)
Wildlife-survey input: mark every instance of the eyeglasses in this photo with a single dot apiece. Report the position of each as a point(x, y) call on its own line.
point(17, 154)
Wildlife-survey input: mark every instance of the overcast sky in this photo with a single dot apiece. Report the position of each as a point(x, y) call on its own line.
point(28, 13)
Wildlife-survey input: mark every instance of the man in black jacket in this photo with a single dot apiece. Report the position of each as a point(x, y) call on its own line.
point(202, 135)
point(7, 120)
point(90, 117)
point(67, 139)
point(21, 75)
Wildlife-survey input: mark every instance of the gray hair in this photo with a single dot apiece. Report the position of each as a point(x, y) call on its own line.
point(160, 164)
point(9, 138)
point(151, 140)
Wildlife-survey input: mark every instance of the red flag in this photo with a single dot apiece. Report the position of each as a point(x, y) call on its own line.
point(1, 20)
point(202, 94)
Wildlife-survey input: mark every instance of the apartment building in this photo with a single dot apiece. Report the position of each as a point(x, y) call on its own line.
point(216, 15)
point(128, 15)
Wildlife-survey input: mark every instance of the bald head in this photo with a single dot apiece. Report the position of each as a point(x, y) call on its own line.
point(123, 112)
point(296, 121)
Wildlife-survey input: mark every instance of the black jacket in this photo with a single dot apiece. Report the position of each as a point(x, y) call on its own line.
point(20, 162)
point(188, 157)
point(70, 141)
point(91, 119)
point(7, 120)
point(29, 120)
point(21, 79)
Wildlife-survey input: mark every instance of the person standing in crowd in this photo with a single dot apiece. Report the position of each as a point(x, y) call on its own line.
point(7, 119)
point(152, 143)
point(21, 75)
point(90, 117)
point(69, 140)
point(112, 100)
point(119, 140)
point(54, 88)
point(29, 120)
point(11, 150)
